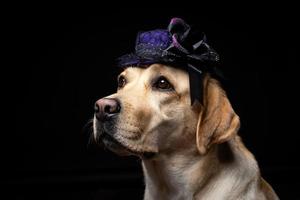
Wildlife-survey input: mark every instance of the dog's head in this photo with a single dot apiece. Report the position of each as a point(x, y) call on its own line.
point(151, 113)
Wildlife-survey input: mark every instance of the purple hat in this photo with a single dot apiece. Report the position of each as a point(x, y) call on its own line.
point(176, 47)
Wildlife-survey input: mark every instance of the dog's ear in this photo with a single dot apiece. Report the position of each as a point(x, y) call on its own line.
point(217, 121)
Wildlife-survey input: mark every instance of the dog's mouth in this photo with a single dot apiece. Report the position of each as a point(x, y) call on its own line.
point(114, 145)
point(106, 134)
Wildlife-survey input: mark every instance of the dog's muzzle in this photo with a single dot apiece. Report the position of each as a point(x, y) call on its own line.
point(106, 117)
point(106, 113)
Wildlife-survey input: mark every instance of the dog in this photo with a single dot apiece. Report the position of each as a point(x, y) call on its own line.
point(187, 152)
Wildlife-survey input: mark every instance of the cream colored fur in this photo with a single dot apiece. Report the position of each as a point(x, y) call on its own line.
point(198, 153)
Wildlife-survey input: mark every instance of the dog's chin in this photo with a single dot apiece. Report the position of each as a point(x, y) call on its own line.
point(105, 136)
point(122, 150)
point(112, 144)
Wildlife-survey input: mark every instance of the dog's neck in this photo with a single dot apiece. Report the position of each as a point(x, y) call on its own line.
point(167, 176)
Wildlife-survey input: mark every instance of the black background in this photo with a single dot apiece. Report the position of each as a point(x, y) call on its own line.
point(63, 61)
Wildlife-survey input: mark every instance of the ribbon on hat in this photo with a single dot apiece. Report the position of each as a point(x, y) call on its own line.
point(199, 56)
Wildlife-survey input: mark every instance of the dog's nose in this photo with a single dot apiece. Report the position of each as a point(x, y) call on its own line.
point(105, 108)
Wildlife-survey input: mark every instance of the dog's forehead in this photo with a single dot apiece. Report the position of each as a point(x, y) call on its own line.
point(156, 70)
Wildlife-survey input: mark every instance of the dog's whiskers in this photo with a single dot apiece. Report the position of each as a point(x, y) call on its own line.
point(89, 129)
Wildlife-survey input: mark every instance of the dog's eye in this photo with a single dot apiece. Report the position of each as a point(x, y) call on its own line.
point(163, 84)
point(121, 81)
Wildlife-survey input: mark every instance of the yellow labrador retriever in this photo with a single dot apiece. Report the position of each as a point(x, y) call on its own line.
point(187, 152)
